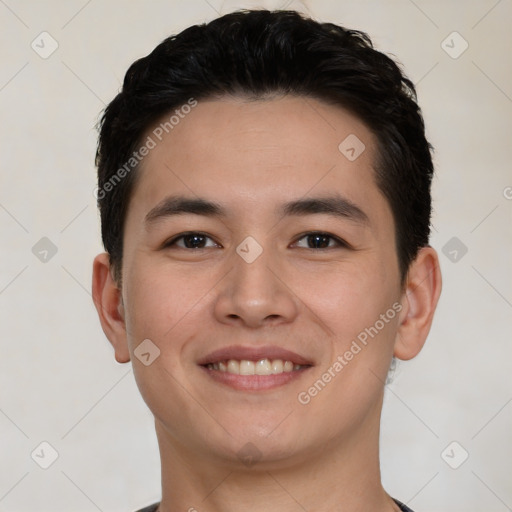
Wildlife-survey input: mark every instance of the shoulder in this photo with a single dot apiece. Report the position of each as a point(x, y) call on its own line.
point(402, 507)
point(151, 508)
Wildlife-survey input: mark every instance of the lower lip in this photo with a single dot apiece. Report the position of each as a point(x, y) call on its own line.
point(254, 382)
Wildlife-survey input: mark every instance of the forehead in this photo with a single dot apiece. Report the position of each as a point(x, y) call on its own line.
point(260, 148)
point(238, 124)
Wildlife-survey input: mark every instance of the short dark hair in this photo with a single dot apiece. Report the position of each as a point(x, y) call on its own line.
point(257, 54)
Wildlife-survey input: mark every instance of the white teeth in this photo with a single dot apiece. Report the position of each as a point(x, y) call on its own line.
point(246, 367)
point(277, 366)
point(261, 367)
point(233, 367)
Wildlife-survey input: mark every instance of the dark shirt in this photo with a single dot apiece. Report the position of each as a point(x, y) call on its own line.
point(152, 508)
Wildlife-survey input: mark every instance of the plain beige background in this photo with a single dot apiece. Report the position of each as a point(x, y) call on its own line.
point(59, 382)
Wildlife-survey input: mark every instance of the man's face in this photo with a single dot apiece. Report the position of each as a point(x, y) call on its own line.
point(327, 273)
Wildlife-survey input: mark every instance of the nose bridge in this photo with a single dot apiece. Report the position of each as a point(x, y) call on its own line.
point(253, 277)
point(253, 292)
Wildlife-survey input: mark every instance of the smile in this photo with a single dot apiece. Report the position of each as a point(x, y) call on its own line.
point(254, 368)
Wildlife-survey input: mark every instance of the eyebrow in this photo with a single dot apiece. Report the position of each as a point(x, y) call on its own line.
point(335, 205)
point(180, 205)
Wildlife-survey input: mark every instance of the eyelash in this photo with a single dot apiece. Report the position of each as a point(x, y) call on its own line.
point(340, 243)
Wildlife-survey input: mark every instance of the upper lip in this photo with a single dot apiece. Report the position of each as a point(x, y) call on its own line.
point(239, 352)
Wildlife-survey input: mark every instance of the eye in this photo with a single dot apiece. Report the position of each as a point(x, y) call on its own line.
point(319, 240)
point(191, 240)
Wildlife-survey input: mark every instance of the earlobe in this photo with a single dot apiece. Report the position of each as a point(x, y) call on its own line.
point(109, 305)
point(419, 302)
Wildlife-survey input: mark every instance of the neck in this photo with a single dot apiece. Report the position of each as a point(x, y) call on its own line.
point(342, 475)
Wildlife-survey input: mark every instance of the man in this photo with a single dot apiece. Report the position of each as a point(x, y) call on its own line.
point(264, 189)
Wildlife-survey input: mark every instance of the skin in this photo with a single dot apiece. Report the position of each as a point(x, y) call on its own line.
point(250, 157)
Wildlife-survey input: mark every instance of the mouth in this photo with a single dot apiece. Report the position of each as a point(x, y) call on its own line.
point(253, 369)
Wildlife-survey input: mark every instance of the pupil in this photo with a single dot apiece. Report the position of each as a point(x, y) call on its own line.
point(319, 241)
point(194, 241)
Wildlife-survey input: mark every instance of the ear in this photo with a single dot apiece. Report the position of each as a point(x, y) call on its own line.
point(109, 304)
point(419, 301)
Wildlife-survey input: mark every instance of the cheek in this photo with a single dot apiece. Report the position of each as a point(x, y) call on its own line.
point(361, 312)
point(349, 298)
point(359, 308)
point(161, 302)
point(162, 308)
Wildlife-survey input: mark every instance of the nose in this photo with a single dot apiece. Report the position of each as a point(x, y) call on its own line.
point(256, 294)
